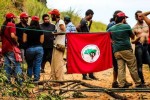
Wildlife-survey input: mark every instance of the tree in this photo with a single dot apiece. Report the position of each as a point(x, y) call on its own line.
point(91, 52)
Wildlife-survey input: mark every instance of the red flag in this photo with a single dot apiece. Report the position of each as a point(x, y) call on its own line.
point(88, 52)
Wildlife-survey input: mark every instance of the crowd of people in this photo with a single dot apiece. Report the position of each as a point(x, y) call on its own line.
point(45, 42)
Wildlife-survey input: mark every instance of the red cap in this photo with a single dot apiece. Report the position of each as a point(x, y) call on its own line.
point(54, 12)
point(24, 15)
point(35, 18)
point(10, 15)
point(121, 14)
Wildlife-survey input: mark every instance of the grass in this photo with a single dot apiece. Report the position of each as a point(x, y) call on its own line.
point(33, 7)
point(5, 7)
point(75, 18)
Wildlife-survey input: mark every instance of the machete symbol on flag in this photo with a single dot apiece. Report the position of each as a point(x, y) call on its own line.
point(88, 52)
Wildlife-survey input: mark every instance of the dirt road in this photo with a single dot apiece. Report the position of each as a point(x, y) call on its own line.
point(105, 80)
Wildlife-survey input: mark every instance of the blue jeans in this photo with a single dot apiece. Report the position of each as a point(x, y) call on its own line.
point(11, 66)
point(23, 55)
point(34, 57)
point(142, 56)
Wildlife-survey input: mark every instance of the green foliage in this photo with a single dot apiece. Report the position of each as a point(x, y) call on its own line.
point(88, 51)
point(3, 78)
point(75, 18)
point(44, 96)
point(33, 7)
point(78, 95)
point(5, 7)
point(24, 91)
point(98, 27)
point(12, 89)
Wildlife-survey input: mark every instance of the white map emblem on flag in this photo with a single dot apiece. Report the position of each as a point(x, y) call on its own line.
point(90, 53)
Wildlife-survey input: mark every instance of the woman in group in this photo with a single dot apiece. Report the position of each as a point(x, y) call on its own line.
point(34, 52)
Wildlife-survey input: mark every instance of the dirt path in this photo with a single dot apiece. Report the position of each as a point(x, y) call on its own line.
point(105, 80)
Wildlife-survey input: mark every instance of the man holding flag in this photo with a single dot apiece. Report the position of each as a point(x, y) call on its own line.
point(83, 27)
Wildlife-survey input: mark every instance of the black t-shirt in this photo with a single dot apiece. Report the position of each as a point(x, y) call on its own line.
point(33, 36)
point(84, 25)
point(19, 32)
point(48, 36)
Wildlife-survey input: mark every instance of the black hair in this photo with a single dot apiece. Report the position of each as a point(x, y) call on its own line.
point(88, 12)
point(45, 15)
point(119, 19)
point(5, 24)
point(115, 14)
point(136, 14)
point(111, 19)
point(67, 19)
point(35, 24)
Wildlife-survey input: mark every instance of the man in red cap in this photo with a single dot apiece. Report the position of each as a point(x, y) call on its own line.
point(20, 28)
point(9, 41)
point(115, 65)
point(122, 49)
point(57, 56)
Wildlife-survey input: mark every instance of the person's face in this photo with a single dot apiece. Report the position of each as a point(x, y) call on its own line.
point(65, 22)
point(139, 17)
point(90, 17)
point(46, 20)
point(53, 17)
point(125, 21)
point(25, 20)
point(12, 20)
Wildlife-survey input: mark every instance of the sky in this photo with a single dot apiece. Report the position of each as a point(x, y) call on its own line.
point(103, 9)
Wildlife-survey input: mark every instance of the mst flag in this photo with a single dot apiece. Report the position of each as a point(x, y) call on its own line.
point(88, 52)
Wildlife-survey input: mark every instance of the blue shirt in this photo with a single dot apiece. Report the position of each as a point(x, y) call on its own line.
point(70, 27)
point(110, 24)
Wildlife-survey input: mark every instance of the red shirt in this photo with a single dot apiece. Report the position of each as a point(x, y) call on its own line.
point(7, 41)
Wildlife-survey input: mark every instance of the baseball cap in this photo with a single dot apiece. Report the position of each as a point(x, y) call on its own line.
point(35, 18)
point(24, 15)
point(121, 14)
point(54, 12)
point(67, 18)
point(10, 15)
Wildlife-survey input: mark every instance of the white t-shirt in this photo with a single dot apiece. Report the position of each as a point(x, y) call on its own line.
point(60, 39)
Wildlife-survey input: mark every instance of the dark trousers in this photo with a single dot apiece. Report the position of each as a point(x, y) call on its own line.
point(115, 65)
point(47, 56)
point(142, 56)
point(149, 48)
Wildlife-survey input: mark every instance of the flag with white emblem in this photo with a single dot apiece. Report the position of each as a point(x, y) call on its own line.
point(88, 52)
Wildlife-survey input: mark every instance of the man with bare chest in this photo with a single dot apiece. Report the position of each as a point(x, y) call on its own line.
point(141, 31)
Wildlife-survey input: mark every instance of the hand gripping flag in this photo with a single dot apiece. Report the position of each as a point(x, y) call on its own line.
point(88, 52)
